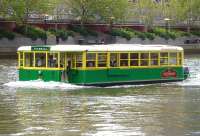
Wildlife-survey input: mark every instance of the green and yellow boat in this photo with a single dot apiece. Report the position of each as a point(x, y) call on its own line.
point(102, 65)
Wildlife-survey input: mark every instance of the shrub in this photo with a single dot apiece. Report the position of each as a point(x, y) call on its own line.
point(150, 36)
point(197, 33)
point(32, 32)
point(142, 35)
point(181, 33)
point(63, 34)
point(70, 33)
point(122, 33)
point(7, 34)
point(162, 33)
point(83, 31)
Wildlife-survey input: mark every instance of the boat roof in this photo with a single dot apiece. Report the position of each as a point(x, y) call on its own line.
point(108, 47)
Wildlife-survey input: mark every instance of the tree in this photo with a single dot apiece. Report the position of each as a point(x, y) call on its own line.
point(98, 10)
point(112, 10)
point(193, 12)
point(147, 10)
point(81, 10)
point(4, 8)
point(21, 10)
point(182, 11)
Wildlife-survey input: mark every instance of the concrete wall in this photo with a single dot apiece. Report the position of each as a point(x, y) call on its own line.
point(9, 47)
point(157, 40)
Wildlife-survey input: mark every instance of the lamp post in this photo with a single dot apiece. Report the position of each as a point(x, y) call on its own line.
point(167, 27)
point(111, 22)
point(110, 27)
point(45, 27)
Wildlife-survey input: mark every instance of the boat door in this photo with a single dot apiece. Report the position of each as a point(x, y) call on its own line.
point(68, 65)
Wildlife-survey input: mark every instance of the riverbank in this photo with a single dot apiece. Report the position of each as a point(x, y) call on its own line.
point(8, 48)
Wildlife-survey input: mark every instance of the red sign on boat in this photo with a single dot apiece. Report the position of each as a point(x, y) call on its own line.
point(169, 73)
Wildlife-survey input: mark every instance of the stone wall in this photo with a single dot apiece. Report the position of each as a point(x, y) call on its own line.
point(9, 47)
point(157, 40)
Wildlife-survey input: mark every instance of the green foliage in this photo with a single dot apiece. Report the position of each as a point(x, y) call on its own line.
point(129, 33)
point(112, 10)
point(7, 34)
point(122, 33)
point(82, 10)
point(197, 33)
point(83, 31)
point(149, 36)
point(181, 33)
point(63, 34)
point(31, 32)
point(165, 33)
point(146, 11)
point(21, 9)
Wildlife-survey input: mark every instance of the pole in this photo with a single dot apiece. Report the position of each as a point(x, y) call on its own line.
point(45, 40)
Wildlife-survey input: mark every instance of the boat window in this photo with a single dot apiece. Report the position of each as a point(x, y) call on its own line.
point(114, 60)
point(102, 59)
point(29, 59)
point(154, 59)
point(91, 60)
point(40, 59)
point(123, 59)
point(134, 59)
point(52, 60)
point(69, 61)
point(164, 58)
point(73, 61)
point(62, 60)
point(173, 59)
point(144, 59)
point(79, 60)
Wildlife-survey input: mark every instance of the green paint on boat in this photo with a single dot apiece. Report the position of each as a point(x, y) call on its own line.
point(45, 75)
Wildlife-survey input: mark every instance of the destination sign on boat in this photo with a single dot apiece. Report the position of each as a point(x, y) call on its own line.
point(40, 48)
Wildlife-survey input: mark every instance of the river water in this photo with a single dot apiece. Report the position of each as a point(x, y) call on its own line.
point(58, 109)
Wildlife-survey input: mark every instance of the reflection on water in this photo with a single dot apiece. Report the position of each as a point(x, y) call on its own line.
point(160, 109)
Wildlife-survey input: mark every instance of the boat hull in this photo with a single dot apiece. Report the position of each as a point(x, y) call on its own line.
point(106, 77)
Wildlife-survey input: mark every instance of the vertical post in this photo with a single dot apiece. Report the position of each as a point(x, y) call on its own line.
point(139, 57)
point(167, 26)
point(96, 61)
point(23, 59)
point(84, 60)
point(46, 59)
point(158, 58)
point(45, 23)
point(108, 60)
point(58, 59)
point(18, 53)
point(34, 59)
point(129, 57)
point(149, 60)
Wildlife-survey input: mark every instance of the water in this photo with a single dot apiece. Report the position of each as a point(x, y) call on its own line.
point(38, 108)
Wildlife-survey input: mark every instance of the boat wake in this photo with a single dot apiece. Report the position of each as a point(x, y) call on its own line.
point(39, 84)
point(194, 78)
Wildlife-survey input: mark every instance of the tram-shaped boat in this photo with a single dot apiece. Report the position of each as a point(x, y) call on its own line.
point(102, 65)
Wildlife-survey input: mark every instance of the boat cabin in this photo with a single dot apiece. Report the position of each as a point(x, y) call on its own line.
point(101, 64)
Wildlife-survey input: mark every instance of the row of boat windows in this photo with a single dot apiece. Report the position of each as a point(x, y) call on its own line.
point(133, 59)
point(75, 60)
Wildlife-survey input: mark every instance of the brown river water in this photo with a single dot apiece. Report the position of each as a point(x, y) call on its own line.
point(60, 109)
